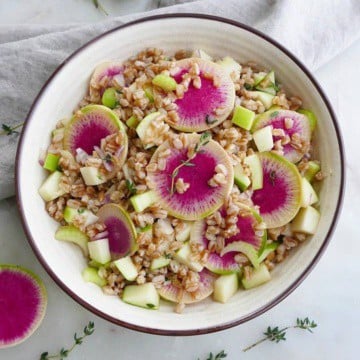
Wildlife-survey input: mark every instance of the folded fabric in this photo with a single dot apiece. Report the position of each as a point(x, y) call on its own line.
point(314, 31)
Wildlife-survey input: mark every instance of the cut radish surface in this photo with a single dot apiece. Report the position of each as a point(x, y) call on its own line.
point(120, 228)
point(207, 106)
point(280, 197)
point(23, 303)
point(200, 199)
point(226, 264)
point(291, 123)
point(176, 294)
point(89, 126)
point(112, 70)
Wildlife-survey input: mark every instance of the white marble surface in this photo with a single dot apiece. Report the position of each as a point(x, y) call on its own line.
point(330, 295)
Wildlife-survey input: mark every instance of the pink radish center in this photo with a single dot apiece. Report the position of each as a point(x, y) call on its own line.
point(20, 301)
point(198, 105)
point(89, 134)
point(274, 193)
point(119, 237)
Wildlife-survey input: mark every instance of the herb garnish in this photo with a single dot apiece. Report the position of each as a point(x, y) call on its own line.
point(64, 353)
point(150, 306)
point(204, 140)
point(275, 334)
point(218, 356)
point(131, 187)
point(98, 5)
point(8, 130)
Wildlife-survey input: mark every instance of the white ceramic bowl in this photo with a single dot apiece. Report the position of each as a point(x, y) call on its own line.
point(67, 86)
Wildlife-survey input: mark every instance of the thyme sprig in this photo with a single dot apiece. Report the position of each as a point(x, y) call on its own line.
point(64, 353)
point(98, 5)
point(218, 356)
point(131, 187)
point(276, 335)
point(204, 140)
point(10, 130)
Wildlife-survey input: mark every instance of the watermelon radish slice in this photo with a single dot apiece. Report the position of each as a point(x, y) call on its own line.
point(226, 264)
point(88, 126)
point(280, 197)
point(298, 124)
point(23, 303)
point(112, 71)
point(200, 199)
point(205, 107)
point(172, 293)
point(120, 229)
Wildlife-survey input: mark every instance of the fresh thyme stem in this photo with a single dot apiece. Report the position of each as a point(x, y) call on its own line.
point(204, 139)
point(8, 130)
point(88, 330)
point(277, 335)
point(98, 5)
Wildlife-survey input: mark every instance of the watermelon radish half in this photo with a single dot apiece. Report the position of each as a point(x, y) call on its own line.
point(298, 124)
point(280, 197)
point(112, 71)
point(200, 199)
point(23, 303)
point(89, 125)
point(120, 229)
point(226, 264)
point(176, 294)
point(205, 107)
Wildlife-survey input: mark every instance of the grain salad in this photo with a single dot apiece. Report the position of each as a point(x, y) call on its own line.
point(183, 177)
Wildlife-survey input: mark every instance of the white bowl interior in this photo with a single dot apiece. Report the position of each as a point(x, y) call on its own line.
point(68, 87)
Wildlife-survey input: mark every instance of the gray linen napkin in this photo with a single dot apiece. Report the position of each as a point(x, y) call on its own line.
point(315, 31)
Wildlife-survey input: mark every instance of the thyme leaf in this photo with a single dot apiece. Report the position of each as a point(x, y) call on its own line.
point(275, 334)
point(204, 139)
point(98, 5)
point(8, 130)
point(78, 340)
point(131, 187)
point(218, 356)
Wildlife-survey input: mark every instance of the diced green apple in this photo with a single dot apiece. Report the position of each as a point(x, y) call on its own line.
point(312, 169)
point(51, 189)
point(308, 194)
point(225, 287)
point(142, 201)
point(243, 117)
point(184, 233)
point(165, 82)
point(132, 122)
point(231, 67)
point(267, 84)
point(90, 274)
point(263, 138)
point(159, 262)
point(145, 296)
point(311, 117)
point(257, 277)
point(264, 97)
point(99, 250)
point(256, 170)
point(127, 268)
point(70, 213)
point(245, 248)
point(240, 179)
point(51, 162)
point(144, 124)
point(149, 93)
point(306, 221)
point(258, 77)
point(74, 235)
point(109, 98)
point(92, 176)
point(183, 256)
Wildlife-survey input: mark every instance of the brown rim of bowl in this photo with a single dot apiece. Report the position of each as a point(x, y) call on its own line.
point(261, 310)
